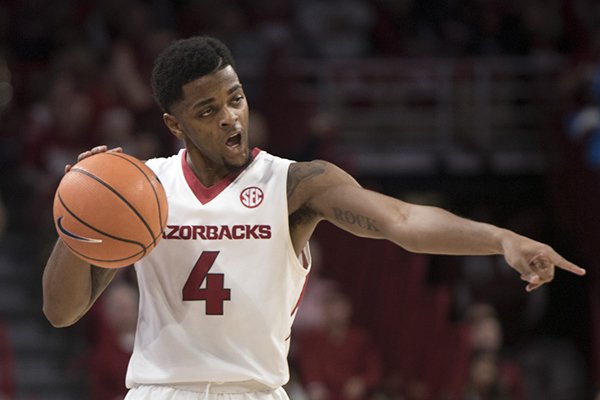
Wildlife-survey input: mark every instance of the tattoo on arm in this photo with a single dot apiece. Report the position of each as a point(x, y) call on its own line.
point(348, 217)
point(302, 172)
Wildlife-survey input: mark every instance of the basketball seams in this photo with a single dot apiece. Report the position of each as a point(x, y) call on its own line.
point(67, 209)
point(135, 256)
point(119, 195)
point(126, 158)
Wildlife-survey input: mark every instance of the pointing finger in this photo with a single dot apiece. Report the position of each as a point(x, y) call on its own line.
point(561, 263)
point(569, 266)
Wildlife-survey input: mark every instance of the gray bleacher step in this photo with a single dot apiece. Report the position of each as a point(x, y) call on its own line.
point(35, 374)
point(15, 301)
point(29, 335)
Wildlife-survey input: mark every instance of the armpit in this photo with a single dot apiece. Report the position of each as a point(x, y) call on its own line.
point(302, 216)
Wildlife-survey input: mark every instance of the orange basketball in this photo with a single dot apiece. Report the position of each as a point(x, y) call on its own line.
point(110, 209)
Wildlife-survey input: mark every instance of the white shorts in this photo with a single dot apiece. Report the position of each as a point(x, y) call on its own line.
point(220, 392)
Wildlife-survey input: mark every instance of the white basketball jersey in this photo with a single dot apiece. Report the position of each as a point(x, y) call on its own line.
point(219, 292)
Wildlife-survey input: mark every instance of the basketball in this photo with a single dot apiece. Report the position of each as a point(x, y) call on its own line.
point(110, 209)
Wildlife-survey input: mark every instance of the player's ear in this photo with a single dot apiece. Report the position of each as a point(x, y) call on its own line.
point(173, 125)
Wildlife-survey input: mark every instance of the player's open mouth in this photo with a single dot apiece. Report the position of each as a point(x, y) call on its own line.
point(234, 140)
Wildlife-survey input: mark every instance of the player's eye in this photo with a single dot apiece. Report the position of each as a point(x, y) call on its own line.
point(206, 112)
point(237, 99)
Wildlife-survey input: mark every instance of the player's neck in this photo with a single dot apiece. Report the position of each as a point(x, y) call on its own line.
point(209, 173)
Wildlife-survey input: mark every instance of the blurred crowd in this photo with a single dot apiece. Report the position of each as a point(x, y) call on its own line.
point(76, 74)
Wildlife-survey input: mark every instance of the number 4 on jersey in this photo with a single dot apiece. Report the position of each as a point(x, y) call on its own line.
point(214, 291)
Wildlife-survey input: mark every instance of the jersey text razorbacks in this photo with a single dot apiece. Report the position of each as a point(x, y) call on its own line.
point(217, 232)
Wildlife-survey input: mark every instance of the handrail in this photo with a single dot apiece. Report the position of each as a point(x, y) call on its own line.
point(491, 112)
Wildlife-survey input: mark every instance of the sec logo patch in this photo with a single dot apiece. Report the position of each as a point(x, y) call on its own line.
point(251, 197)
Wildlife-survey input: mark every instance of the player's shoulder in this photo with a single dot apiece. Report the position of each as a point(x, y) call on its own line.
point(302, 171)
point(306, 181)
point(315, 172)
point(305, 177)
point(162, 163)
point(266, 158)
point(310, 178)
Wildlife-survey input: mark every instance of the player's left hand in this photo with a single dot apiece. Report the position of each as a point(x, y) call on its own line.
point(98, 149)
point(535, 261)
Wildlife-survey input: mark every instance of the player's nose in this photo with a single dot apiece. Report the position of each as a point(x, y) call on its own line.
point(228, 118)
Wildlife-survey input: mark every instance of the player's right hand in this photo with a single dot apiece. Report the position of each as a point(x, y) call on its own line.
point(98, 149)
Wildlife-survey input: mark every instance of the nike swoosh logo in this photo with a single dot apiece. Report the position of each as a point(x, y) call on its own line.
point(73, 235)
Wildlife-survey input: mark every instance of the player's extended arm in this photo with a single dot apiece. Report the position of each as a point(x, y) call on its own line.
point(70, 285)
point(333, 195)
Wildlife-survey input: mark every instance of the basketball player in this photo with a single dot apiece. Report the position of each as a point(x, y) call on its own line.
point(219, 293)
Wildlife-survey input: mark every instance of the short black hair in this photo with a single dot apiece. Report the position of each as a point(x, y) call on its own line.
point(183, 61)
